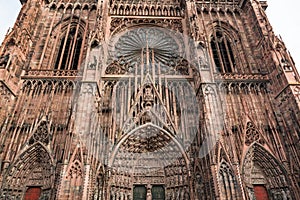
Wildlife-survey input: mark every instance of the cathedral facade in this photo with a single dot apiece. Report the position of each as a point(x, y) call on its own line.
point(148, 100)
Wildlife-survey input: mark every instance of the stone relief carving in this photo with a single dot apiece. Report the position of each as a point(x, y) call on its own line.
point(122, 23)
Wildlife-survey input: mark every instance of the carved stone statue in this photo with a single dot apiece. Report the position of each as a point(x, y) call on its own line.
point(202, 55)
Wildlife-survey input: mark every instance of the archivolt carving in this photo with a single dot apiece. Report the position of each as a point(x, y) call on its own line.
point(32, 167)
point(259, 163)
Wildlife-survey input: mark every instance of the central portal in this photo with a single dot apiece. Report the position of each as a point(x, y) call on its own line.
point(152, 192)
point(151, 110)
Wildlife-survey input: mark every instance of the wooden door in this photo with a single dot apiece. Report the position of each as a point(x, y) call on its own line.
point(139, 192)
point(158, 192)
point(260, 192)
point(33, 193)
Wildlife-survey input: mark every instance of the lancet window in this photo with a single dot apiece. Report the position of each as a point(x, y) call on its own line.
point(69, 50)
point(222, 53)
point(227, 182)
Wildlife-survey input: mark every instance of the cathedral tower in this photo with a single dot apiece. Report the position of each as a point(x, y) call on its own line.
point(147, 100)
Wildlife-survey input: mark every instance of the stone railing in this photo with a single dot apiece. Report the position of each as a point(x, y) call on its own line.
point(218, 5)
point(242, 77)
point(52, 73)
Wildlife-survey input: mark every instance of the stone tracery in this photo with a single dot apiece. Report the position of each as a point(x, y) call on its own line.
point(252, 135)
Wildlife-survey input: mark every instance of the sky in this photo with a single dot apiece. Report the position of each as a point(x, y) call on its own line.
point(284, 16)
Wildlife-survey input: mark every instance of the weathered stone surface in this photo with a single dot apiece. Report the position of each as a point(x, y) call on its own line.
point(167, 99)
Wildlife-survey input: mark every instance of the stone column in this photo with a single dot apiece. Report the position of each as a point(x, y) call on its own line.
point(86, 180)
point(149, 195)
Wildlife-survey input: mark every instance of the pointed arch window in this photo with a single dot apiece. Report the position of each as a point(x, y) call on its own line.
point(222, 53)
point(227, 182)
point(69, 51)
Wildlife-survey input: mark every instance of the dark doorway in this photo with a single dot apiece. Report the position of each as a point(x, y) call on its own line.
point(260, 192)
point(158, 192)
point(139, 192)
point(33, 193)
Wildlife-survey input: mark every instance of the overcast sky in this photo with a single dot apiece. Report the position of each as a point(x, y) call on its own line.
point(284, 16)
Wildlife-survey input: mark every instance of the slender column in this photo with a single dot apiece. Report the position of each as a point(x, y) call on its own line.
point(86, 181)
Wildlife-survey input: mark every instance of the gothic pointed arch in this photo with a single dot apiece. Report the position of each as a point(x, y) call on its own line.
point(199, 180)
point(76, 160)
point(69, 50)
point(100, 183)
point(227, 181)
point(151, 133)
point(65, 48)
point(162, 98)
point(33, 167)
point(262, 171)
point(222, 52)
point(221, 153)
point(150, 123)
point(224, 44)
point(148, 152)
point(73, 179)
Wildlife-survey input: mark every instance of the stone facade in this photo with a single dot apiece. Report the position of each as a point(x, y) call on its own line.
point(168, 99)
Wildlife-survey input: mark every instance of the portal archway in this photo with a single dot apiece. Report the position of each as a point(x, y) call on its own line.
point(152, 157)
point(149, 127)
point(150, 112)
point(263, 175)
point(31, 175)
